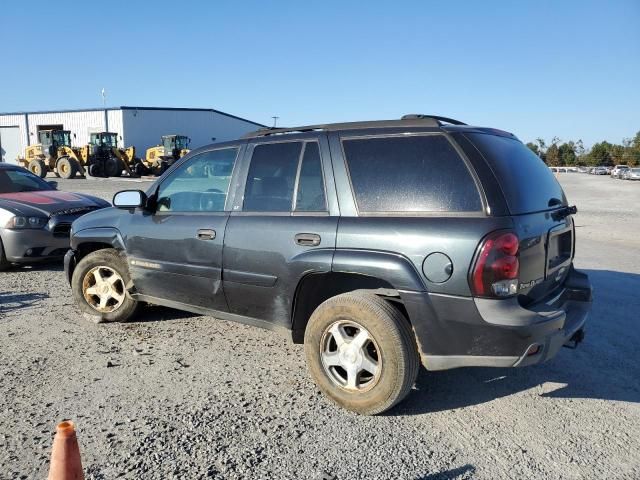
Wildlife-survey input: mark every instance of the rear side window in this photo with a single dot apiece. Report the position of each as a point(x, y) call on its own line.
point(272, 176)
point(310, 196)
point(410, 174)
point(527, 183)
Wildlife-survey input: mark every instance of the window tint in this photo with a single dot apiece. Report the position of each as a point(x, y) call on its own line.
point(527, 183)
point(199, 185)
point(410, 174)
point(271, 177)
point(310, 196)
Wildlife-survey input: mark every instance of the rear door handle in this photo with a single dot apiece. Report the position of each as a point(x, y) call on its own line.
point(206, 234)
point(307, 239)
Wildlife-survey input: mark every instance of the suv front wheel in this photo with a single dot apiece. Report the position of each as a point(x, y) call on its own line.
point(361, 352)
point(99, 285)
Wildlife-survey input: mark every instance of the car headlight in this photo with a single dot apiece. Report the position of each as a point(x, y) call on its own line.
point(26, 222)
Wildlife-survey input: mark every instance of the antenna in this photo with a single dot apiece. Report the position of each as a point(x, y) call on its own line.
point(104, 97)
point(275, 120)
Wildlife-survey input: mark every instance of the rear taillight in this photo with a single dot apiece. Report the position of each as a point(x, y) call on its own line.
point(495, 272)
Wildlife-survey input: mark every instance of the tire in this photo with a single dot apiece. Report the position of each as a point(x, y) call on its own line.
point(95, 170)
point(67, 167)
point(4, 264)
point(391, 346)
point(113, 167)
point(87, 292)
point(37, 167)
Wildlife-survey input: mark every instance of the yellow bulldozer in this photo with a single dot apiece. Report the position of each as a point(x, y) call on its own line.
point(161, 157)
point(54, 153)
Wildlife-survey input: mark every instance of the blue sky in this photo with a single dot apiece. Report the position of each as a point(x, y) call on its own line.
point(536, 68)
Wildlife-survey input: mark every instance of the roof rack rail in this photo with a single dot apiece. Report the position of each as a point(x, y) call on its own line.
point(415, 116)
point(406, 121)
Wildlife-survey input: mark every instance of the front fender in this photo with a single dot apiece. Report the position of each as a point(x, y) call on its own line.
point(95, 238)
point(391, 267)
point(106, 235)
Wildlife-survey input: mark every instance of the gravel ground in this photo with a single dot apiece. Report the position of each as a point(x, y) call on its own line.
point(175, 395)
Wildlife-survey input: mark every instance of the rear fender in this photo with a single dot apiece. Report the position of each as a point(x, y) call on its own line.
point(391, 267)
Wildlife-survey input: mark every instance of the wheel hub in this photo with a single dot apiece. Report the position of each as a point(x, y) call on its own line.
point(103, 289)
point(350, 356)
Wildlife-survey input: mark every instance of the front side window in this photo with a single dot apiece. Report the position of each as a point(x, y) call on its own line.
point(421, 173)
point(271, 178)
point(199, 185)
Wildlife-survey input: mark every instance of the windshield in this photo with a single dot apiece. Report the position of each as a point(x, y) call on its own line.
point(20, 180)
point(110, 139)
point(182, 142)
point(62, 138)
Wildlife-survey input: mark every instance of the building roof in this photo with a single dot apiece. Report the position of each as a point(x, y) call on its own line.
point(126, 107)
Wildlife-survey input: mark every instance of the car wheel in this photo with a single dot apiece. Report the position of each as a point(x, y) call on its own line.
point(361, 352)
point(99, 284)
point(4, 264)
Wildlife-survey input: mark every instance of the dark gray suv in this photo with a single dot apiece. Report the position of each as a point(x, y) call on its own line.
point(380, 245)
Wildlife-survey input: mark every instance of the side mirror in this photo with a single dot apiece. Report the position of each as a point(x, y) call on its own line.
point(130, 199)
point(53, 183)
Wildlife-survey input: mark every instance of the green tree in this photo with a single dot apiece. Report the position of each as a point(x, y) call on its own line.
point(634, 150)
point(600, 154)
point(553, 156)
point(567, 153)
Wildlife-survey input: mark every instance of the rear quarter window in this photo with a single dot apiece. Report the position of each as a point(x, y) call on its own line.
point(526, 181)
point(410, 174)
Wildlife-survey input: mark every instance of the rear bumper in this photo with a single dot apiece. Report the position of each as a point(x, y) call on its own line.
point(462, 331)
point(31, 245)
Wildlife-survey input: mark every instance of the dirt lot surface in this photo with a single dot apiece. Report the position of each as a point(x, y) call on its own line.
point(174, 395)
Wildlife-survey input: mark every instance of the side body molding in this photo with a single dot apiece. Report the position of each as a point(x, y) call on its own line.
point(391, 267)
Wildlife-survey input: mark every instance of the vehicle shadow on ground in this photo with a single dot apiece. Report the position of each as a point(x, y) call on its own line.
point(10, 301)
point(156, 313)
point(460, 473)
point(606, 366)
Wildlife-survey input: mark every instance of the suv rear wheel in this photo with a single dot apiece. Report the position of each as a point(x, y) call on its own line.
point(361, 352)
point(99, 285)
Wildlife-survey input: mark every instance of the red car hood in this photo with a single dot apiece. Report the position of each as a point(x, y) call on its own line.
point(48, 202)
point(46, 197)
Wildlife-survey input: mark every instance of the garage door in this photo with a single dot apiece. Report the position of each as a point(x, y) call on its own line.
point(9, 144)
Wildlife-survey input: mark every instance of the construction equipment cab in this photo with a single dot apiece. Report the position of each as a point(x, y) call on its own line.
point(161, 157)
point(53, 153)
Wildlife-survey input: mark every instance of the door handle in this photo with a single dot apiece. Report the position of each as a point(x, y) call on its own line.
point(206, 234)
point(307, 239)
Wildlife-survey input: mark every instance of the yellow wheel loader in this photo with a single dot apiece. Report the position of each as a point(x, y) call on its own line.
point(161, 157)
point(54, 153)
point(104, 157)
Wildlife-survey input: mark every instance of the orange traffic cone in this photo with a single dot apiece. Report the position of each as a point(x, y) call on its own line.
point(65, 454)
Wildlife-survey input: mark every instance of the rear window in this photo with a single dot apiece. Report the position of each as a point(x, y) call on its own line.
point(526, 181)
point(410, 174)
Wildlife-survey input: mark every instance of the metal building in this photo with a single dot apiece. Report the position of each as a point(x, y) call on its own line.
point(141, 127)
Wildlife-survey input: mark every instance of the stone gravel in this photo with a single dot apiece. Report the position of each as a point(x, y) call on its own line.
point(176, 395)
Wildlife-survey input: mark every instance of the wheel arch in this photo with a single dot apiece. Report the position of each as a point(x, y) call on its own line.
point(382, 273)
point(90, 240)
